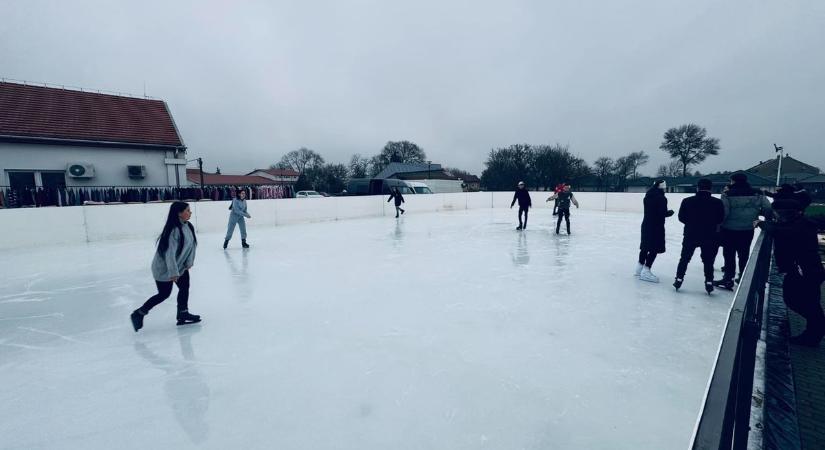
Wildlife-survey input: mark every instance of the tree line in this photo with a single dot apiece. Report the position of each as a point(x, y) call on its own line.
point(540, 166)
point(543, 166)
point(317, 174)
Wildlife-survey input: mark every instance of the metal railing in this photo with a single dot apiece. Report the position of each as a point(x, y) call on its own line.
point(725, 417)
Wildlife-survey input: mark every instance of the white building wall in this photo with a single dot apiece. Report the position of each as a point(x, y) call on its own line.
point(110, 164)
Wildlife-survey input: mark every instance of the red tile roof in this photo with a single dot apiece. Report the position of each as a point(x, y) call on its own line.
point(278, 172)
point(193, 175)
point(53, 113)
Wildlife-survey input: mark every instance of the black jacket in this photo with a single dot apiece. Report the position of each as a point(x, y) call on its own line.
point(796, 247)
point(802, 197)
point(523, 198)
point(399, 199)
point(653, 224)
point(702, 214)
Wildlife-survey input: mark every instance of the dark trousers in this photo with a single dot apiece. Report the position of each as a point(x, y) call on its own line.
point(735, 243)
point(802, 295)
point(708, 250)
point(647, 257)
point(564, 213)
point(165, 290)
point(522, 210)
point(398, 209)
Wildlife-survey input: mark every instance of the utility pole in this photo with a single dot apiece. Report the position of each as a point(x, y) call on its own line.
point(781, 152)
point(200, 166)
point(428, 169)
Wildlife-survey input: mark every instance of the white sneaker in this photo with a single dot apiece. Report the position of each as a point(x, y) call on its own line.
point(648, 276)
point(639, 269)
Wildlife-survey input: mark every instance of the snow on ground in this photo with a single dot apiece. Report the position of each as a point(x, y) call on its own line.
point(435, 331)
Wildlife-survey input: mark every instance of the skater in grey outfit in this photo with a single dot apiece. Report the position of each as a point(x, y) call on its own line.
point(237, 217)
point(174, 257)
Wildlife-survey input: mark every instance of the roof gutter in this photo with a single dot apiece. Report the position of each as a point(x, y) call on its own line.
point(89, 143)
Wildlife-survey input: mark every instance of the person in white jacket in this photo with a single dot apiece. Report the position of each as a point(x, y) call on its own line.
point(237, 216)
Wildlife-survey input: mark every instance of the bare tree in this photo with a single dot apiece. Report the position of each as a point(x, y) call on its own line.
point(636, 160)
point(672, 169)
point(603, 169)
point(300, 160)
point(689, 145)
point(359, 166)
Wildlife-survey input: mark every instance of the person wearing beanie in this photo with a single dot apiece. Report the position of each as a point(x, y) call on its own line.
point(653, 230)
point(702, 214)
point(563, 200)
point(743, 205)
point(524, 204)
point(237, 216)
point(796, 252)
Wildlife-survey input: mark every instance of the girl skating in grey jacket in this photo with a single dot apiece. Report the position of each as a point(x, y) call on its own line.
point(174, 257)
point(237, 216)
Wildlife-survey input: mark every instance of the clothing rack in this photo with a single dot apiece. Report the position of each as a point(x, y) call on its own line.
point(36, 197)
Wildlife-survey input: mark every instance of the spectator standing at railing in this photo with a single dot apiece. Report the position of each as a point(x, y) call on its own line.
point(796, 250)
point(522, 196)
point(174, 257)
point(702, 214)
point(653, 230)
point(743, 205)
point(237, 216)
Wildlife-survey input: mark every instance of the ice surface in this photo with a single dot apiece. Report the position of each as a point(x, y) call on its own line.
point(435, 331)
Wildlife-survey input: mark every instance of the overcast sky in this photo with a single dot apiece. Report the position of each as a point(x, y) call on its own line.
point(248, 82)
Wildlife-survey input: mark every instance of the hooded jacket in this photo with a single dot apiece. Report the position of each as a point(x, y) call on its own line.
point(743, 205)
point(523, 197)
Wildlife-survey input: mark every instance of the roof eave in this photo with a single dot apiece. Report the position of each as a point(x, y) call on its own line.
point(88, 143)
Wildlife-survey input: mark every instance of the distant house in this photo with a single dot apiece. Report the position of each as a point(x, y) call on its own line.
point(282, 176)
point(414, 171)
point(793, 170)
point(52, 138)
point(217, 179)
point(472, 183)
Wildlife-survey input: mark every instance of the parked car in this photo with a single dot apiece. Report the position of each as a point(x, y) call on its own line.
point(308, 194)
point(377, 186)
point(419, 187)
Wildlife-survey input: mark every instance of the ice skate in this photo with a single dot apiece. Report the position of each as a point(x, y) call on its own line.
point(708, 287)
point(137, 319)
point(184, 318)
point(638, 272)
point(518, 228)
point(244, 244)
point(724, 284)
point(225, 244)
point(677, 283)
point(402, 212)
point(648, 276)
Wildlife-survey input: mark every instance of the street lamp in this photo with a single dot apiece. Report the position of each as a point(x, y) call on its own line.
point(779, 150)
point(428, 169)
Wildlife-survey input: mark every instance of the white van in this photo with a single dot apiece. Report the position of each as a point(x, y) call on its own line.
point(419, 187)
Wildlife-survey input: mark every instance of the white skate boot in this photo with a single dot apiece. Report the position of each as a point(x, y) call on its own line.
point(648, 276)
point(639, 269)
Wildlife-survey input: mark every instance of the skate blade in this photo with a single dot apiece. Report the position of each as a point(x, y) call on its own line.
point(187, 322)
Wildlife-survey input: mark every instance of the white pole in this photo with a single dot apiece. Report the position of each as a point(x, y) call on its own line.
point(779, 168)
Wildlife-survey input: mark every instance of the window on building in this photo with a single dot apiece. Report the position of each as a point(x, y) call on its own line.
point(21, 180)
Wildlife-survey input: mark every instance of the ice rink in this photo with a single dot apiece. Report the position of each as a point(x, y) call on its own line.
point(434, 331)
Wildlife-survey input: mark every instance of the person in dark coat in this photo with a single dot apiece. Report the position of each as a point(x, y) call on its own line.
point(653, 230)
point(399, 199)
point(789, 192)
point(524, 204)
point(796, 250)
point(702, 214)
point(562, 207)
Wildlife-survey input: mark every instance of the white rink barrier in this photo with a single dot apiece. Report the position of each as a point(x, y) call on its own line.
point(29, 227)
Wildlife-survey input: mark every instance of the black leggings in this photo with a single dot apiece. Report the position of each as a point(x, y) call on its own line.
point(647, 257)
point(564, 213)
point(165, 290)
point(802, 295)
point(522, 209)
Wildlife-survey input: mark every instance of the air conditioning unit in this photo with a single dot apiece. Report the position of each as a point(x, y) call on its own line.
point(137, 171)
point(80, 170)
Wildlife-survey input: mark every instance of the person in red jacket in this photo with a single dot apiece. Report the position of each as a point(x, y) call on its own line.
point(557, 190)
